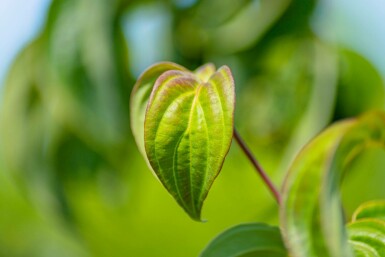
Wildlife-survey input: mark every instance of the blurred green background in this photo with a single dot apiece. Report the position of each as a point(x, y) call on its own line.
point(72, 182)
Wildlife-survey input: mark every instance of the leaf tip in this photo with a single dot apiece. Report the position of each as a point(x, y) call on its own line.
point(205, 71)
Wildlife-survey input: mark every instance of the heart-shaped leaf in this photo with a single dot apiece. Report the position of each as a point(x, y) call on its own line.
point(311, 215)
point(188, 127)
point(254, 239)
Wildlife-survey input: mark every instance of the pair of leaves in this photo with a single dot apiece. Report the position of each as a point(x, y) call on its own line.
point(366, 234)
point(311, 216)
point(312, 220)
point(183, 125)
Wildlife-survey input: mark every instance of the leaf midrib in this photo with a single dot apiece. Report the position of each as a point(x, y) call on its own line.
point(193, 106)
point(214, 86)
point(156, 135)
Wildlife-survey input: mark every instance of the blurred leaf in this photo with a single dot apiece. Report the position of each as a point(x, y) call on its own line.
point(242, 32)
point(361, 87)
point(25, 120)
point(373, 209)
point(311, 217)
point(277, 91)
point(318, 113)
point(296, 20)
point(289, 95)
point(89, 94)
point(372, 161)
point(251, 240)
point(206, 8)
point(367, 230)
point(70, 82)
point(188, 129)
point(65, 111)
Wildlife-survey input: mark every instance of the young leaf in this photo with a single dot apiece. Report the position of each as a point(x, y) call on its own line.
point(370, 210)
point(249, 240)
point(140, 96)
point(311, 214)
point(367, 229)
point(188, 127)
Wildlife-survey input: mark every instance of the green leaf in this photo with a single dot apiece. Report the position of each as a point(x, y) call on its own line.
point(367, 229)
point(140, 96)
point(352, 98)
point(249, 240)
point(188, 127)
point(373, 209)
point(311, 215)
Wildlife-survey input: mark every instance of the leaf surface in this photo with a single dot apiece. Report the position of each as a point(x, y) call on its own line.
point(183, 124)
point(140, 96)
point(311, 215)
point(367, 229)
point(254, 239)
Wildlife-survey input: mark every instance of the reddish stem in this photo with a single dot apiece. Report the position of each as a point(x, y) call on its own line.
point(258, 167)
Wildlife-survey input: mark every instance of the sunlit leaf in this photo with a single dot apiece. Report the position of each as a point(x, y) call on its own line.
point(140, 96)
point(312, 217)
point(188, 126)
point(251, 240)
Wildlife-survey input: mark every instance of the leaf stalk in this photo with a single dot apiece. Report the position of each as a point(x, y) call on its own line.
point(246, 150)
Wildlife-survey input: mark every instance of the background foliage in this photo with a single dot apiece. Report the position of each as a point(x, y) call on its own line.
point(72, 182)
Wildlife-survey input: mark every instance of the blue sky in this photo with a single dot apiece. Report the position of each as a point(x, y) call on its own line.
point(357, 25)
point(20, 21)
